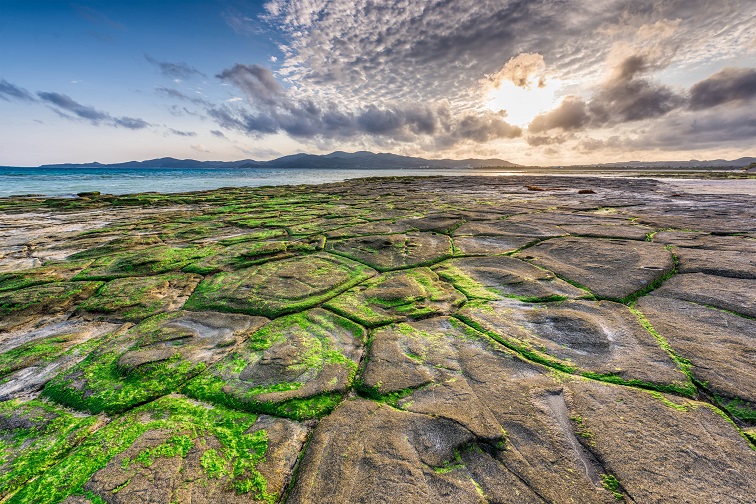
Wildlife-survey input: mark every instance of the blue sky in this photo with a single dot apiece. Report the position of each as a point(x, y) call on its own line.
point(535, 82)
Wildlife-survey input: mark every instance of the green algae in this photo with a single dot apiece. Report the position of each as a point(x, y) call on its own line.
point(280, 287)
point(50, 297)
point(148, 261)
point(50, 272)
point(237, 459)
point(242, 255)
point(42, 350)
point(34, 436)
point(137, 298)
point(392, 297)
point(100, 384)
point(294, 367)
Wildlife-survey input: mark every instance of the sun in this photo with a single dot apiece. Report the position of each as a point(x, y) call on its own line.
point(522, 104)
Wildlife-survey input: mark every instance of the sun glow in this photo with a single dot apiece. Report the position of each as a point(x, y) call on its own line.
point(522, 104)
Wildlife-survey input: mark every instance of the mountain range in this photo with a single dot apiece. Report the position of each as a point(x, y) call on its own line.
point(338, 159)
point(370, 160)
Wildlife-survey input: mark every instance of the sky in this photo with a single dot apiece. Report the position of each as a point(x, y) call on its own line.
point(547, 82)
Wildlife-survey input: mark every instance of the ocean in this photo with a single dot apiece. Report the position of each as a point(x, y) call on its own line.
point(69, 181)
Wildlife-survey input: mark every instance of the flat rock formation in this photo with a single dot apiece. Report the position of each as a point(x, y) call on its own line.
point(441, 339)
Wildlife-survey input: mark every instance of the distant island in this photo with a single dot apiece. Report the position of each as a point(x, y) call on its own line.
point(370, 160)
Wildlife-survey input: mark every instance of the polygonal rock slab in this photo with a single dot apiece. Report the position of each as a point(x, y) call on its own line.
point(30, 359)
point(175, 450)
point(499, 237)
point(733, 294)
point(111, 247)
point(278, 287)
point(369, 452)
point(50, 272)
point(441, 223)
point(614, 230)
point(152, 359)
point(369, 229)
point(149, 261)
point(296, 366)
point(719, 345)
point(396, 251)
point(35, 435)
point(397, 296)
point(31, 302)
point(241, 255)
point(705, 241)
point(501, 277)
point(727, 263)
point(646, 442)
point(611, 269)
point(136, 298)
point(442, 374)
point(601, 338)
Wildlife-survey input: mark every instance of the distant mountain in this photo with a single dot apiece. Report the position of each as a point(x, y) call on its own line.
point(338, 159)
point(371, 161)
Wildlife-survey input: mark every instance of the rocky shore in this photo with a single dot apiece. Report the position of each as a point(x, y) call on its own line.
point(441, 339)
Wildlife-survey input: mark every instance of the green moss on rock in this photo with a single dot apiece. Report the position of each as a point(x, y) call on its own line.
point(279, 287)
point(297, 366)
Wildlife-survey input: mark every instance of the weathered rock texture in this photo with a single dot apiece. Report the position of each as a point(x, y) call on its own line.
point(508, 340)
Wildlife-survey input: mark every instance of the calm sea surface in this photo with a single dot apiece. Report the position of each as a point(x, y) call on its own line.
point(69, 181)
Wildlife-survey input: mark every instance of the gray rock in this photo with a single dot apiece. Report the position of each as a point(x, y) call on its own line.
point(734, 294)
point(611, 269)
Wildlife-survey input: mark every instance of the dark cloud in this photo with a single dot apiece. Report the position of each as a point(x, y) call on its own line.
point(217, 133)
point(632, 100)
point(257, 82)
point(570, 115)
point(10, 92)
point(68, 104)
point(182, 133)
point(64, 105)
point(726, 86)
point(695, 131)
point(130, 122)
point(175, 70)
point(627, 96)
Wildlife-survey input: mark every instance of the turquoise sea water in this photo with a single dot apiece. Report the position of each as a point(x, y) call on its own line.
point(69, 181)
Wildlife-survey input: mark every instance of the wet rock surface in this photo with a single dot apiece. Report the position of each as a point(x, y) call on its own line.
point(514, 340)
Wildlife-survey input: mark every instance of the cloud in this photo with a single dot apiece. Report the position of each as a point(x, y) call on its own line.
point(178, 95)
point(276, 109)
point(10, 92)
point(68, 104)
point(64, 105)
point(130, 122)
point(257, 82)
point(199, 148)
point(218, 133)
point(179, 70)
point(571, 114)
point(726, 86)
point(182, 133)
point(519, 70)
point(628, 95)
